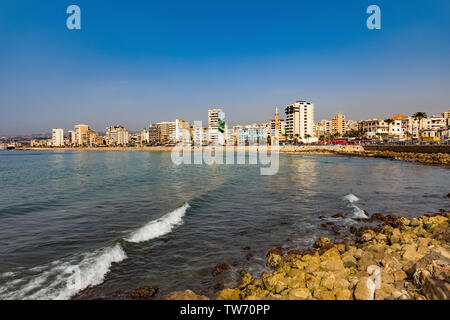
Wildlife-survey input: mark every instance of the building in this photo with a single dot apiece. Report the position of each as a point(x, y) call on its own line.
point(71, 137)
point(216, 126)
point(375, 129)
point(182, 132)
point(117, 136)
point(154, 134)
point(57, 137)
point(351, 125)
point(338, 124)
point(85, 137)
point(254, 134)
point(300, 120)
point(166, 132)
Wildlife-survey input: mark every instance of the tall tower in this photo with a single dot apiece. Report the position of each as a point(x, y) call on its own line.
point(276, 120)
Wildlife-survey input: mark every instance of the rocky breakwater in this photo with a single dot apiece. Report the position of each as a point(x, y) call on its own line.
point(424, 158)
point(389, 258)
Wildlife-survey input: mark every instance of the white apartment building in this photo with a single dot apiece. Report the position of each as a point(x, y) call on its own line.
point(216, 126)
point(300, 120)
point(57, 137)
point(375, 128)
point(117, 135)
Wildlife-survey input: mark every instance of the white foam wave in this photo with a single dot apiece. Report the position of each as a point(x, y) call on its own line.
point(351, 198)
point(65, 279)
point(159, 227)
point(357, 212)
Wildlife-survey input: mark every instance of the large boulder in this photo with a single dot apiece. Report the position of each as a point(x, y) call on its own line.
point(300, 293)
point(228, 294)
point(144, 292)
point(184, 295)
point(363, 290)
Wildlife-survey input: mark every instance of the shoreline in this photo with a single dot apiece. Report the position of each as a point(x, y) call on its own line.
point(390, 258)
point(441, 159)
point(385, 258)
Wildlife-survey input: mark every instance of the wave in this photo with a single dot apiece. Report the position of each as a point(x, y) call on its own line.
point(62, 280)
point(357, 212)
point(159, 227)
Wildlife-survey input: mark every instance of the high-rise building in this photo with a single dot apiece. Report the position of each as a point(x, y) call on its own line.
point(216, 126)
point(81, 134)
point(154, 134)
point(84, 136)
point(300, 120)
point(71, 135)
point(116, 135)
point(167, 132)
point(338, 124)
point(57, 137)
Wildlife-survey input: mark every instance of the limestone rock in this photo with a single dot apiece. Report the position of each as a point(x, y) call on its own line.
point(362, 291)
point(184, 295)
point(228, 294)
point(300, 293)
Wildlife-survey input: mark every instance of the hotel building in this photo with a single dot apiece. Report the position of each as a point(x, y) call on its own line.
point(57, 137)
point(300, 120)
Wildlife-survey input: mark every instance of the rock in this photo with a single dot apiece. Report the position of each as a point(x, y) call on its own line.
point(395, 236)
point(144, 292)
point(400, 275)
point(410, 252)
point(274, 260)
point(343, 294)
point(366, 237)
point(332, 264)
point(367, 259)
point(415, 222)
point(274, 282)
point(184, 295)
point(341, 283)
point(328, 281)
point(362, 291)
point(322, 242)
point(228, 294)
point(219, 268)
point(246, 279)
point(403, 221)
point(387, 277)
point(349, 260)
point(300, 293)
point(339, 215)
point(323, 294)
point(380, 294)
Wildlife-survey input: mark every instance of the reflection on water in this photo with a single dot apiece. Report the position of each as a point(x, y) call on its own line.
point(59, 210)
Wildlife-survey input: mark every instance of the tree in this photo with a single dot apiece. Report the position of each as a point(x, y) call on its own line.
point(307, 136)
point(419, 116)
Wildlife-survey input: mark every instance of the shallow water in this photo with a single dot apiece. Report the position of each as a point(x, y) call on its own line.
point(119, 220)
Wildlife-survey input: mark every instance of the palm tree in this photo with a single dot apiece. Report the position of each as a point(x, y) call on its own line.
point(419, 116)
point(307, 136)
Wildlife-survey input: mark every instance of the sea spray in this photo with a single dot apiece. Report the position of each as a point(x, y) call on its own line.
point(159, 227)
point(357, 212)
point(64, 279)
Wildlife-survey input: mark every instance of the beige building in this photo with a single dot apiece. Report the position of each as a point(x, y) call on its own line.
point(84, 136)
point(338, 124)
point(57, 137)
point(299, 120)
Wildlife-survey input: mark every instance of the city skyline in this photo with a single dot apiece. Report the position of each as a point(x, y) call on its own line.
point(159, 62)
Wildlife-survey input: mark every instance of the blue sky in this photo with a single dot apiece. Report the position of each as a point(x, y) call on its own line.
point(138, 62)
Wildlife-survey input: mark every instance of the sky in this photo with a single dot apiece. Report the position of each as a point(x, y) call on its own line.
point(139, 62)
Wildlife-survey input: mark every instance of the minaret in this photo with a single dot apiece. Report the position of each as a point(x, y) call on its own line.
point(276, 121)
